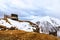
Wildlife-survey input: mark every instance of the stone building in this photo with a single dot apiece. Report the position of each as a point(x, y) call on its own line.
point(14, 16)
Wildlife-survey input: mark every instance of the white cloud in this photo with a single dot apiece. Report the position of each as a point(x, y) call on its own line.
point(32, 7)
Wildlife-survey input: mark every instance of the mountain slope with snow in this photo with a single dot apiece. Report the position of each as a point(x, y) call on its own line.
point(20, 25)
point(47, 24)
point(47, 18)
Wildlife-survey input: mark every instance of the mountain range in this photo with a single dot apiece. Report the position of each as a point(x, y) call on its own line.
point(45, 24)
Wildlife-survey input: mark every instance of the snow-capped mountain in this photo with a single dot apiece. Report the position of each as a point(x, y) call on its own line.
point(52, 20)
point(47, 24)
point(44, 20)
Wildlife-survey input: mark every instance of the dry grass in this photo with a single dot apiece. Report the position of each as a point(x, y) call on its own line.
point(58, 38)
point(22, 35)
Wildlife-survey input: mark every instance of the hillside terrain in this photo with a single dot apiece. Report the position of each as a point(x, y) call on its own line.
point(22, 35)
point(37, 29)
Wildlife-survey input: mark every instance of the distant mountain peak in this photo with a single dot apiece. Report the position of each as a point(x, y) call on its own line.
point(47, 23)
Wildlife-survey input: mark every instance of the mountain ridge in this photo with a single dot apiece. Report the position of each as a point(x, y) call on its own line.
point(47, 24)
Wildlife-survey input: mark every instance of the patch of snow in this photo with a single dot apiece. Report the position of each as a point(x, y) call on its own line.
point(21, 25)
point(58, 33)
point(4, 23)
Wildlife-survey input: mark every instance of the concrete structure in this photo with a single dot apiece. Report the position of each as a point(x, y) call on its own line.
point(14, 16)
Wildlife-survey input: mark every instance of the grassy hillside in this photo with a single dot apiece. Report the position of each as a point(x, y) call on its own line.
point(22, 35)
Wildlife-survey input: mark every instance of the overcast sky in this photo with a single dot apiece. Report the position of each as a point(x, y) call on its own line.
point(25, 8)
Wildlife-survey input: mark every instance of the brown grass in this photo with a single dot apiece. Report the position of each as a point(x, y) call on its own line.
point(22, 35)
